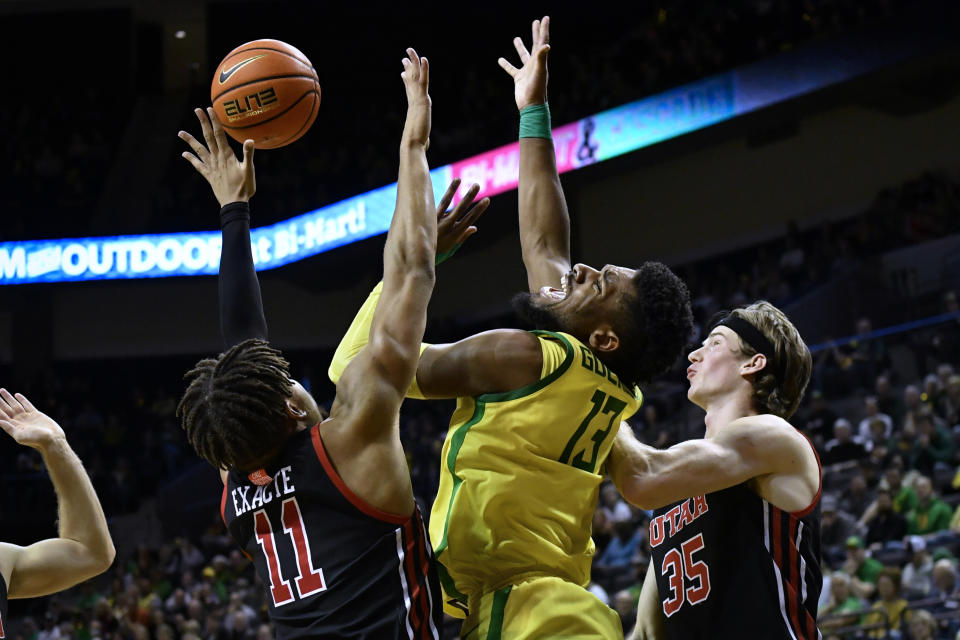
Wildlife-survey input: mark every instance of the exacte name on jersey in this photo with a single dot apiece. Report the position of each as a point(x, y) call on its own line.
point(281, 486)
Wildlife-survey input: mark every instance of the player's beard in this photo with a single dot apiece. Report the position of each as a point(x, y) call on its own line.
point(540, 316)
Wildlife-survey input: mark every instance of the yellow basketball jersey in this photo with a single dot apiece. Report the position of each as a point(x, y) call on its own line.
point(520, 475)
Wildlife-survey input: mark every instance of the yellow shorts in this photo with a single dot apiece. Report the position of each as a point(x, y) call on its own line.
point(541, 608)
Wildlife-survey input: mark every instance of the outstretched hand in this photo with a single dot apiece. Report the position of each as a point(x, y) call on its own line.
point(26, 425)
point(455, 226)
point(530, 80)
point(232, 180)
point(416, 81)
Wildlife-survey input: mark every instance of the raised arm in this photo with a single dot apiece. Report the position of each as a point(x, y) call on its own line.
point(489, 362)
point(233, 182)
point(761, 447)
point(373, 385)
point(84, 548)
point(544, 221)
point(453, 228)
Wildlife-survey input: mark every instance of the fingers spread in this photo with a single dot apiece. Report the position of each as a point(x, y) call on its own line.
point(447, 197)
point(467, 200)
point(207, 131)
point(24, 402)
point(12, 405)
point(192, 159)
point(198, 148)
point(506, 66)
point(521, 49)
point(221, 137)
point(474, 213)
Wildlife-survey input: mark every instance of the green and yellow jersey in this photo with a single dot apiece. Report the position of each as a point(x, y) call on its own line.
point(520, 475)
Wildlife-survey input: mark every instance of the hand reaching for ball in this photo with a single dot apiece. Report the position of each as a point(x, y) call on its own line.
point(416, 80)
point(232, 180)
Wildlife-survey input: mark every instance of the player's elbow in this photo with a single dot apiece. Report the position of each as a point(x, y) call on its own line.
point(101, 558)
point(643, 491)
point(396, 359)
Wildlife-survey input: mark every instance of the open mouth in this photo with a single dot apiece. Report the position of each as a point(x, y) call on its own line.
point(558, 294)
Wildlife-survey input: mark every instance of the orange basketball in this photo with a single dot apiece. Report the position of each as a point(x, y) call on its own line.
point(266, 91)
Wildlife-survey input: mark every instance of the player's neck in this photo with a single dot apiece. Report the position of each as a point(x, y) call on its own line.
point(725, 409)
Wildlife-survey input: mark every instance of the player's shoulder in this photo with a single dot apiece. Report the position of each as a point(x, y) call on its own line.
point(765, 431)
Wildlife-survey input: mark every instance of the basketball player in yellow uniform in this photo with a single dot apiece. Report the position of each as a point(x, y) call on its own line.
point(537, 411)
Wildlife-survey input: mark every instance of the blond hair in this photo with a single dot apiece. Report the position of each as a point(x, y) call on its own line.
point(780, 397)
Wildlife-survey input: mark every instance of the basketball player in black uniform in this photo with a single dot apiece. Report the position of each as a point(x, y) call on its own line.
point(735, 532)
point(84, 548)
point(324, 508)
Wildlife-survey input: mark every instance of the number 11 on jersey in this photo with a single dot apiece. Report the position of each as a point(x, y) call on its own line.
point(309, 579)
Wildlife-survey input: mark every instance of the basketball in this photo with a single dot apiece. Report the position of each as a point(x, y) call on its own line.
point(267, 91)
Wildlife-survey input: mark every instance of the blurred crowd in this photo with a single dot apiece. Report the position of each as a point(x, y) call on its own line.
point(59, 152)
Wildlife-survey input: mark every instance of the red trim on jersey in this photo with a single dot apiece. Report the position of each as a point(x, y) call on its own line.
point(354, 499)
point(816, 498)
point(795, 609)
point(424, 574)
point(223, 504)
point(413, 583)
point(794, 575)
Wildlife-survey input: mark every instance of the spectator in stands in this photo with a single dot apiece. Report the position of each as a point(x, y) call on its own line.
point(944, 371)
point(887, 402)
point(863, 357)
point(933, 445)
point(818, 421)
point(911, 404)
point(931, 390)
point(931, 513)
point(917, 577)
point(877, 438)
point(835, 527)
point(949, 405)
point(615, 561)
point(843, 448)
point(886, 525)
point(843, 606)
point(856, 497)
point(871, 410)
point(615, 509)
point(891, 607)
point(945, 580)
point(922, 625)
point(904, 497)
point(861, 568)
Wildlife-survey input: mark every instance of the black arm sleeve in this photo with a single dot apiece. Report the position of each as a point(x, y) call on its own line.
point(241, 308)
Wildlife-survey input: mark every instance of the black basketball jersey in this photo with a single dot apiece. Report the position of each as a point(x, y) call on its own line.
point(337, 567)
point(731, 565)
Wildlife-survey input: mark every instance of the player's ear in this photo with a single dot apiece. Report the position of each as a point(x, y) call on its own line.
point(604, 339)
point(294, 410)
point(755, 364)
